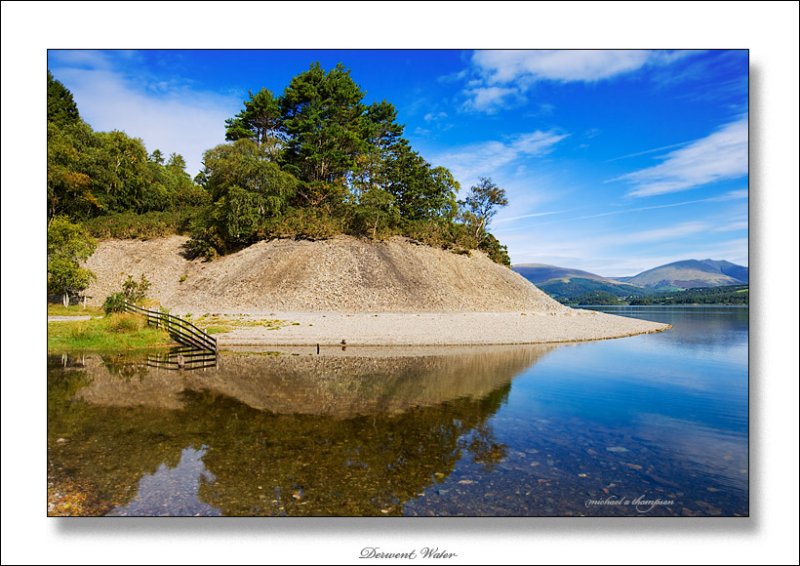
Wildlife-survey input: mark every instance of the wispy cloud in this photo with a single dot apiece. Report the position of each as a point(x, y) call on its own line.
point(503, 78)
point(434, 116)
point(484, 159)
point(647, 151)
point(717, 157)
point(507, 219)
point(167, 114)
point(669, 233)
point(731, 195)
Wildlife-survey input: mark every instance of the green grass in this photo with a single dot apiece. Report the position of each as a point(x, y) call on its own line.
point(111, 333)
point(218, 329)
point(216, 324)
point(72, 310)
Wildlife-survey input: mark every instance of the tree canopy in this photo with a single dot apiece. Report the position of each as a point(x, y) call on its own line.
point(92, 174)
point(313, 161)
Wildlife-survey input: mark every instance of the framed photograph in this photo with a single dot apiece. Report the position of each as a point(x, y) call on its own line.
point(383, 283)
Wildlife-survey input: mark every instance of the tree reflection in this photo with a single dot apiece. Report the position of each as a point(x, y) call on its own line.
point(327, 462)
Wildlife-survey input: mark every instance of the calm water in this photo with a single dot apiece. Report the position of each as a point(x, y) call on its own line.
point(643, 426)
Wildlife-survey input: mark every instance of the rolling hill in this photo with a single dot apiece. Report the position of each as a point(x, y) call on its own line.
point(567, 284)
point(690, 273)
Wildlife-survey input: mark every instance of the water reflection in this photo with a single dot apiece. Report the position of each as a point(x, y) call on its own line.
point(172, 491)
point(692, 327)
point(287, 434)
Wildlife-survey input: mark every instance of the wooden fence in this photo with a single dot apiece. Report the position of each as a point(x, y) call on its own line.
point(182, 331)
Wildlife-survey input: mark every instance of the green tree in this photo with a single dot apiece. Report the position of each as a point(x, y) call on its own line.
point(260, 121)
point(376, 210)
point(157, 157)
point(322, 116)
point(176, 161)
point(120, 174)
point(242, 214)
point(422, 192)
point(69, 182)
point(247, 189)
point(68, 245)
point(246, 165)
point(481, 205)
point(61, 107)
point(381, 135)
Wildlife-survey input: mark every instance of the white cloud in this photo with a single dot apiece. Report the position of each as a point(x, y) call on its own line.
point(717, 157)
point(167, 116)
point(486, 158)
point(505, 76)
point(733, 226)
point(669, 233)
point(501, 67)
point(490, 99)
point(434, 116)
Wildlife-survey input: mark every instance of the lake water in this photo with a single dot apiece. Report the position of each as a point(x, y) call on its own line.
point(649, 425)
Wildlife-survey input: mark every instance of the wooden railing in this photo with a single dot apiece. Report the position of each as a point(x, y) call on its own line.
point(182, 331)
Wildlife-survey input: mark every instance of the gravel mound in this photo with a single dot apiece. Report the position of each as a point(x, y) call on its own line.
point(342, 274)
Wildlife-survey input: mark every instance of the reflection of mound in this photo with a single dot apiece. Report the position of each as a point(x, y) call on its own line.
point(424, 414)
point(305, 384)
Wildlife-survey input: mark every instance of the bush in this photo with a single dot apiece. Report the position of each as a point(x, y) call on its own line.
point(496, 251)
point(135, 291)
point(129, 225)
point(125, 322)
point(114, 303)
point(132, 292)
point(306, 223)
point(205, 244)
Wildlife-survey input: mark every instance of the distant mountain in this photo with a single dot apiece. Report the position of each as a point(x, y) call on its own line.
point(690, 273)
point(570, 285)
point(540, 273)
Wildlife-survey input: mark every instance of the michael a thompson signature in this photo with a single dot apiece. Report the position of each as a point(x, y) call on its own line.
point(641, 503)
point(424, 552)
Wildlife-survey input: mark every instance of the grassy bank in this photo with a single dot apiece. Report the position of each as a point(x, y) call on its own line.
point(111, 333)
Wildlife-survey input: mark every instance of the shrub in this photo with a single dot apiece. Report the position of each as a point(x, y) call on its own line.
point(135, 291)
point(496, 251)
point(129, 225)
point(125, 322)
point(204, 244)
point(114, 303)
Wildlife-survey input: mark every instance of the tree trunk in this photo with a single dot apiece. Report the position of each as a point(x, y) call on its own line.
point(66, 299)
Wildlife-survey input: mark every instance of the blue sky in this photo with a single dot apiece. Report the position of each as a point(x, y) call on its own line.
point(614, 161)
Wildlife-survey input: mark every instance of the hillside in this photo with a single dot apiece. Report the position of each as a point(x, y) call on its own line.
point(569, 284)
point(541, 273)
point(341, 274)
point(691, 273)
